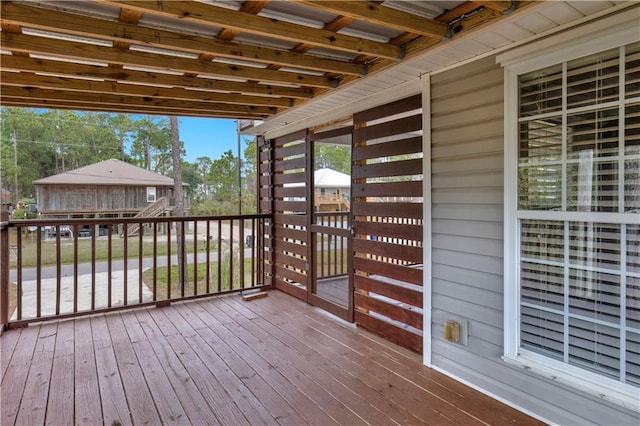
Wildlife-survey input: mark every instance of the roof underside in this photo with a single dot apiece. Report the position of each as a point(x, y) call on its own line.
point(235, 59)
point(279, 61)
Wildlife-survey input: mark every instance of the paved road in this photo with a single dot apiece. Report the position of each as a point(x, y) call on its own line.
point(29, 274)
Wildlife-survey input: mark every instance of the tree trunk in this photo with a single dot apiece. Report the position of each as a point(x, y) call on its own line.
point(147, 150)
point(179, 203)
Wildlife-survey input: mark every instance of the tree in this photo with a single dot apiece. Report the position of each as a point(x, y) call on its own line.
point(224, 177)
point(203, 165)
point(179, 195)
point(122, 125)
point(192, 177)
point(250, 170)
point(151, 145)
point(336, 157)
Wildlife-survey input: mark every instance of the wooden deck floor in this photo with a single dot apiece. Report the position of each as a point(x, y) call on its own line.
point(274, 360)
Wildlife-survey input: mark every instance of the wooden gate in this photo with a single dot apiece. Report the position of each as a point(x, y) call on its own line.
point(387, 221)
point(283, 172)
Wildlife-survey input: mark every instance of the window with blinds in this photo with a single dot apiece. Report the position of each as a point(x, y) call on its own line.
point(579, 212)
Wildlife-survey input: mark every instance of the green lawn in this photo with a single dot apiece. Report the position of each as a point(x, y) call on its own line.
point(162, 274)
point(49, 250)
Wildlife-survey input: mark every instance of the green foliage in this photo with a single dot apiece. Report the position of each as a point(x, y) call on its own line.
point(49, 142)
point(53, 141)
point(151, 145)
point(24, 213)
point(336, 157)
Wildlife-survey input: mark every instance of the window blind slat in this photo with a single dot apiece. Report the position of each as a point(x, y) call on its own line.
point(632, 71)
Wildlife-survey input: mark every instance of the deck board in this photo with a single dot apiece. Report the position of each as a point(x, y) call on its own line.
point(13, 382)
point(132, 359)
point(189, 396)
point(36, 389)
point(9, 342)
point(273, 360)
point(62, 376)
point(363, 397)
point(207, 383)
point(388, 384)
point(88, 409)
point(314, 385)
point(115, 408)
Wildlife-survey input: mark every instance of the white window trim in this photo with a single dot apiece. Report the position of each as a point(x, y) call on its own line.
point(151, 191)
point(605, 34)
point(426, 223)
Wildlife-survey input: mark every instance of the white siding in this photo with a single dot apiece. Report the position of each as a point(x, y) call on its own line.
point(467, 263)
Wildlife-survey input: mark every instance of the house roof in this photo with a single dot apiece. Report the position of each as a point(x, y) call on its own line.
point(329, 178)
point(108, 172)
point(239, 59)
point(326, 178)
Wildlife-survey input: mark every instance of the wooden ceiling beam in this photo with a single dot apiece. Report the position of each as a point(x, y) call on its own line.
point(258, 25)
point(30, 93)
point(35, 103)
point(250, 6)
point(498, 6)
point(71, 49)
point(381, 15)
point(69, 23)
point(142, 77)
point(78, 85)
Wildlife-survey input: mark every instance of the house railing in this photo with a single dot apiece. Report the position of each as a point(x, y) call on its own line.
point(332, 231)
point(86, 266)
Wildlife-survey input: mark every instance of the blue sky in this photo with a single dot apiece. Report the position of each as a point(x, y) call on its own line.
point(208, 137)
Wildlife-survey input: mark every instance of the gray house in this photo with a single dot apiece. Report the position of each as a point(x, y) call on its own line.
point(110, 187)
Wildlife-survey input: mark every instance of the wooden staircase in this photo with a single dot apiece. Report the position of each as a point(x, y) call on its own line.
point(155, 209)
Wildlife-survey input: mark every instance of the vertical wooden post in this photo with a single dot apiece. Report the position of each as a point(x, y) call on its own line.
point(4, 270)
point(309, 209)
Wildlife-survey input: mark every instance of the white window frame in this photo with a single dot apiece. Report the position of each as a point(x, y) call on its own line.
point(608, 33)
point(151, 194)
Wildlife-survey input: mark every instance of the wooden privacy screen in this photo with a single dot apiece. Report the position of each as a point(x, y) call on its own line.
point(283, 192)
point(387, 221)
point(265, 205)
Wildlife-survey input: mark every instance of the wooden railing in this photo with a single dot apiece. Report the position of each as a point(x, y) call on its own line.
point(332, 231)
point(91, 269)
point(331, 202)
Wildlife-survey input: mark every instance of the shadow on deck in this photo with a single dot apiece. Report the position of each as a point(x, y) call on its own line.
point(274, 360)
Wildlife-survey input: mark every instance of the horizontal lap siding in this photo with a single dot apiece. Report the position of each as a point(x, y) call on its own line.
point(387, 221)
point(467, 247)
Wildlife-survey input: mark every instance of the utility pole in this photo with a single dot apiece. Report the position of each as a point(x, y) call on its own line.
point(239, 169)
point(15, 166)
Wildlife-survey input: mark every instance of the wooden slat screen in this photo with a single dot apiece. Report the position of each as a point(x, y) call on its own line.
point(387, 221)
point(287, 200)
point(265, 205)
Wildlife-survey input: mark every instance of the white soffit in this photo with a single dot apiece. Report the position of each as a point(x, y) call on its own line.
point(403, 80)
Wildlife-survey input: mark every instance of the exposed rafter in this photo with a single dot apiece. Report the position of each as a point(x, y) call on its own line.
point(68, 23)
point(66, 69)
point(159, 60)
point(248, 60)
point(88, 86)
point(260, 26)
point(379, 14)
point(38, 95)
